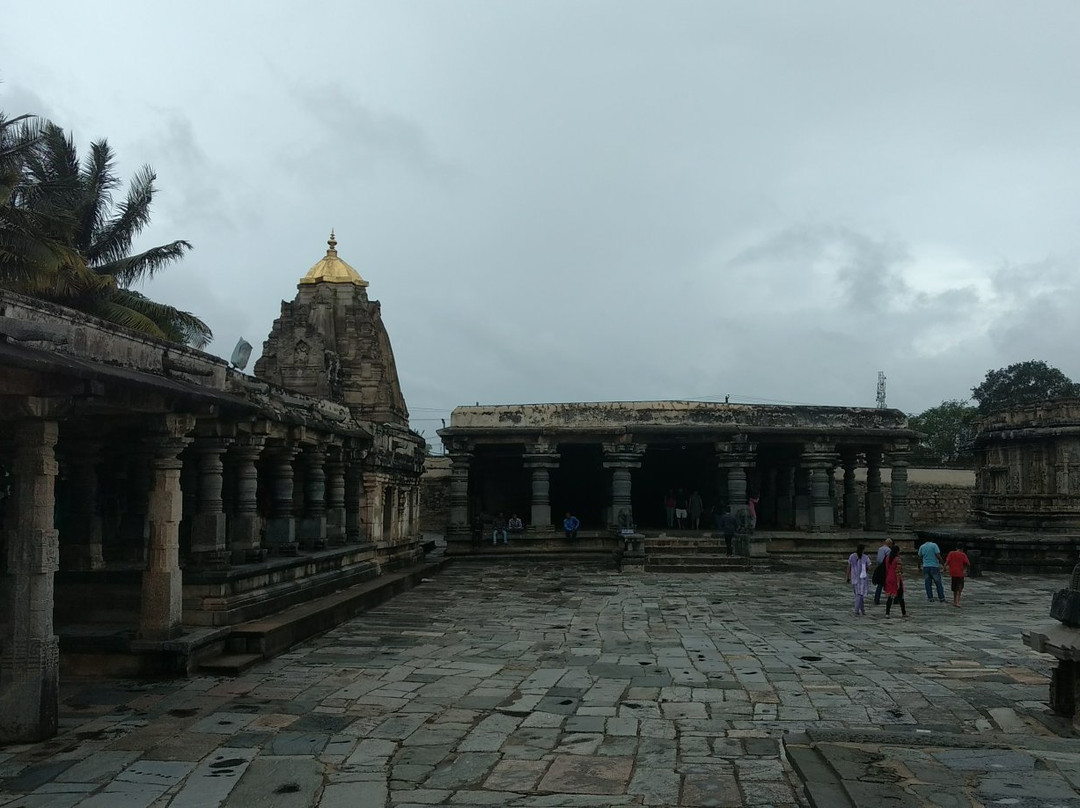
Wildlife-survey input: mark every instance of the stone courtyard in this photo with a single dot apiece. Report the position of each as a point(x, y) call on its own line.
point(528, 684)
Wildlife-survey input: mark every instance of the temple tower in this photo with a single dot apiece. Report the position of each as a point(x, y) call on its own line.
point(330, 342)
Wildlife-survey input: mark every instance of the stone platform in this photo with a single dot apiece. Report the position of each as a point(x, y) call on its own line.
point(534, 685)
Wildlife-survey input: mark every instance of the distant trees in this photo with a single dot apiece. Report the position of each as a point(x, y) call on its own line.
point(947, 430)
point(63, 237)
point(1022, 383)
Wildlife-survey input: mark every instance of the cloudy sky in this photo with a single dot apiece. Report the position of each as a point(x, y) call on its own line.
point(565, 201)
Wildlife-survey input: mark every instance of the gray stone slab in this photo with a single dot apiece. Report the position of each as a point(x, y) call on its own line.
point(278, 782)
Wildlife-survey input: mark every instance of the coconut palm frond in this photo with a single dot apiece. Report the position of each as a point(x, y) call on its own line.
point(179, 326)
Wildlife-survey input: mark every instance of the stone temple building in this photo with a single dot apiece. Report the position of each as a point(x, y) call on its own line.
point(598, 459)
point(153, 499)
point(1027, 465)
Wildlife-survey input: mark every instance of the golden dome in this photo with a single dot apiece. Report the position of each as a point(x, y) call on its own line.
point(332, 269)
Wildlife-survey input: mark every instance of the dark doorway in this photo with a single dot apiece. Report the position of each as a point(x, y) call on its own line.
point(581, 485)
point(689, 466)
point(499, 483)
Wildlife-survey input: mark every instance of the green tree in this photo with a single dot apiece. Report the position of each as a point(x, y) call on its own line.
point(947, 431)
point(70, 206)
point(1022, 383)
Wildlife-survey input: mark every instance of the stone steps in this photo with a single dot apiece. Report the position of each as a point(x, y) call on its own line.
point(257, 640)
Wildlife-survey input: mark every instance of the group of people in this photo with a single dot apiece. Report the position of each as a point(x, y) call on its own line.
point(682, 511)
point(888, 575)
point(500, 526)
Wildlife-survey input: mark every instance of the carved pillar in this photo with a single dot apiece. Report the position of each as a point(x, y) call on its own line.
point(899, 516)
point(819, 458)
point(161, 612)
point(281, 527)
point(852, 511)
point(458, 528)
point(737, 457)
point(208, 528)
point(875, 497)
point(354, 498)
point(541, 460)
point(313, 522)
point(621, 459)
point(29, 662)
point(82, 547)
point(335, 497)
point(245, 523)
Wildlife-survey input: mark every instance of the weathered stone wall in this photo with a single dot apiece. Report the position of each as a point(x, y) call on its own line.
point(928, 503)
point(434, 504)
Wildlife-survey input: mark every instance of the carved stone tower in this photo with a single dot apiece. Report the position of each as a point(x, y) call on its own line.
point(330, 342)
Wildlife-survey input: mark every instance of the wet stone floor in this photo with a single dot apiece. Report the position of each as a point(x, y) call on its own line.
point(527, 685)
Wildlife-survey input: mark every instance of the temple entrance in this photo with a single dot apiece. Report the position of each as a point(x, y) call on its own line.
point(581, 485)
point(669, 467)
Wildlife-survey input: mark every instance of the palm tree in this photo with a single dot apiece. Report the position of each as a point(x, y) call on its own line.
point(74, 208)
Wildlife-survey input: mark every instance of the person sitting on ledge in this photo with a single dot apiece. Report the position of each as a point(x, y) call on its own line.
point(570, 525)
point(515, 525)
point(500, 528)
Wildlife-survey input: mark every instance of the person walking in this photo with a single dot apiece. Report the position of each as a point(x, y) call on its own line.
point(857, 565)
point(696, 507)
point(879, 577)
point(894, 581)
point(728, 524)
point(751, 505)
point(681, 511)
point(958, 564)
point(930, 561)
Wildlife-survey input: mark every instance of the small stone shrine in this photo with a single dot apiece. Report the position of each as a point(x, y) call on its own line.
point(1063, 643)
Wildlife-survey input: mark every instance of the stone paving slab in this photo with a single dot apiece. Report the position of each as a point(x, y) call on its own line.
point(535, 686)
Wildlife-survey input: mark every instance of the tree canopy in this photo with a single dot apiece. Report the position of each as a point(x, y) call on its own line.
point(947, 430)
point(1022, 383)
point(64, 238)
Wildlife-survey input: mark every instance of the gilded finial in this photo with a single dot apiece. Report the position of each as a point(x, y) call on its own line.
point(333, 244)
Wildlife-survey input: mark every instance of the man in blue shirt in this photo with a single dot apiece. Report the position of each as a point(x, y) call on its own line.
point(930, 561)
point(570, 525)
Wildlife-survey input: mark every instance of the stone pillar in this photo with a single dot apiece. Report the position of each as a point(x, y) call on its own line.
point(30, 659)
point(802, 496)
point(541, 460)
point(82, 548)
point(818, 458)
point(281, 527)
point(875, 497)
point(208, 528)
point(335, 497)
point(354, 499)
point(245, 523)
point(313, 523)
point(852, 513)
point(737, 456)
point(899, 516)
point(161, 611)
point(459, 496)
point(621, 459)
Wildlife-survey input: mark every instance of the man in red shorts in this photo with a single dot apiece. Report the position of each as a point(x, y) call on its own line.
point(958, 565)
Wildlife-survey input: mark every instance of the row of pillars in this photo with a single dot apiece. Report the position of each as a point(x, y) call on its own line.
point(802, 493)
point(29, 662)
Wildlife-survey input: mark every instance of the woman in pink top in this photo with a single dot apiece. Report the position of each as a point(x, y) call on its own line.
point(751, 504)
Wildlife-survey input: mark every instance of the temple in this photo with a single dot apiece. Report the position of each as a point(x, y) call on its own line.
point(153, 499)
point(598, 460)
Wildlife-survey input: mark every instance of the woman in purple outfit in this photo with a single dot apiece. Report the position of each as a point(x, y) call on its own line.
point(858, 564)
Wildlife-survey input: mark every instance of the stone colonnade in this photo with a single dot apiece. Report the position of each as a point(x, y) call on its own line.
point(799, 493)
point(211, 518)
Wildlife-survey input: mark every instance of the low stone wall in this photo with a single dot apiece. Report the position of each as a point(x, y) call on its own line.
point(928, 503)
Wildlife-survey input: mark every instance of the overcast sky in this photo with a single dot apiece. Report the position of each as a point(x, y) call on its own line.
point(567, 201)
